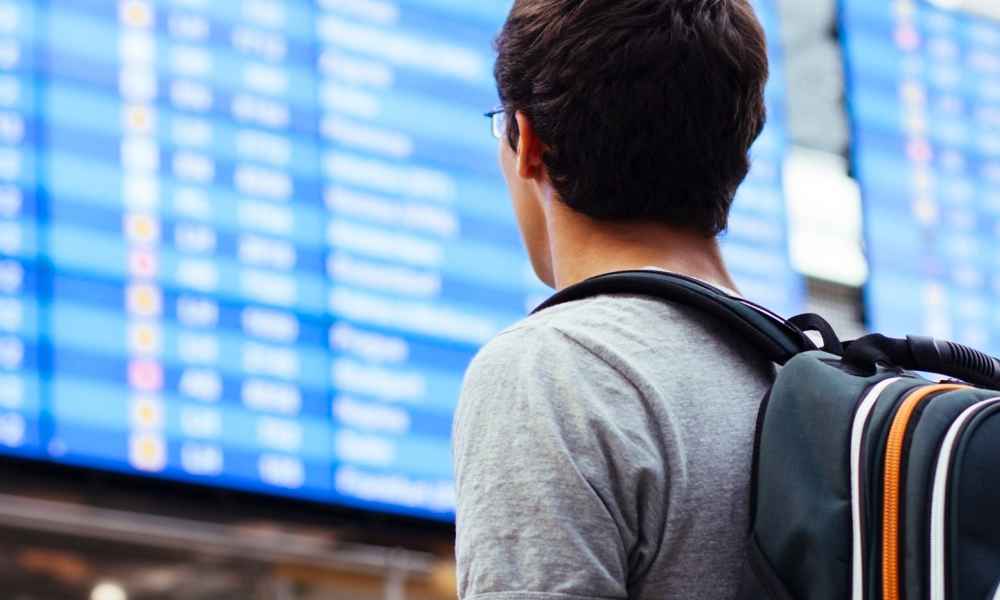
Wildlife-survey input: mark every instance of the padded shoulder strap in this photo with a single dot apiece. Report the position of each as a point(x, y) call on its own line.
point(775, 337)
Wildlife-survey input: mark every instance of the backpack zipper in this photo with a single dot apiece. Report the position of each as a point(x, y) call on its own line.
point(939, 500)
point(860, 424)
point(892, 502)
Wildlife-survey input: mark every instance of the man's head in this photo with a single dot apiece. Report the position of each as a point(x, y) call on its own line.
point(629, 110)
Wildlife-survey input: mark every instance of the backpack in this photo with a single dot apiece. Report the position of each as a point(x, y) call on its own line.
point(869, 480)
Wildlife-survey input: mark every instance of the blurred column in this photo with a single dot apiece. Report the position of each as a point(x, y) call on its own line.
point(140, 164)
point(19, 386)
point(189, 74)
point(266, 95)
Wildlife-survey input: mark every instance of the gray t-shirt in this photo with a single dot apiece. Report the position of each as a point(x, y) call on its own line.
point(603, 450)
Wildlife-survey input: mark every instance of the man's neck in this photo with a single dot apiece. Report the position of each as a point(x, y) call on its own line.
point(582, 248)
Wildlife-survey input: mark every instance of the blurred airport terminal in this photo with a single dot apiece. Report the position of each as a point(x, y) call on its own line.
point(247, 250)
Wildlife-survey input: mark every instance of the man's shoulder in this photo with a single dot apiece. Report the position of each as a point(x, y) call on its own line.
point(619, 322)
point(548, 368)
point(555, 340)
point(601, 314)
point(630, 338)
point(601, 331)
point(573, 327)
point(524, 342)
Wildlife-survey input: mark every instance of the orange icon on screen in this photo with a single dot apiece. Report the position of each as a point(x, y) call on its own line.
point(139, 119)
point(148, 452)
point(143, 264)
point(147, 413)
point(144, 339)
point(144, 300)
point(136, 14)
point(142, 229)
point(145, 375)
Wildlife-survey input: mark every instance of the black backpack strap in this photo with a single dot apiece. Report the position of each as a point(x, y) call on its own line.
point(778, 339)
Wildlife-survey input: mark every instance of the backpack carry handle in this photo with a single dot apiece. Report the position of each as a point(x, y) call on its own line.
point(779, 340)
point(926, 354)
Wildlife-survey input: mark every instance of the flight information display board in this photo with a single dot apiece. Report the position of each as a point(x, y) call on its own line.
point(925, 99)
point(254, 245)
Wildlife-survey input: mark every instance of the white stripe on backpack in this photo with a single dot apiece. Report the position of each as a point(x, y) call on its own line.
point(939, 499)
point(857, 436)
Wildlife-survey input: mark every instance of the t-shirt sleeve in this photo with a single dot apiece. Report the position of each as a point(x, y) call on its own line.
point(548, 472)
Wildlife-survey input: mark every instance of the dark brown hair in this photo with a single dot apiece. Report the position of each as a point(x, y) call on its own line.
point(646, 108)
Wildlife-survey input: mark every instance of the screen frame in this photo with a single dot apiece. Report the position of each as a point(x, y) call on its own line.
point(148, 494)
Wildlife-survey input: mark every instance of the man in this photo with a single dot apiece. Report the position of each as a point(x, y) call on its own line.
point(603, 447)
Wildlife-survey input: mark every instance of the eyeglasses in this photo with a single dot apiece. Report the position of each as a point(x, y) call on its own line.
point(498, 122)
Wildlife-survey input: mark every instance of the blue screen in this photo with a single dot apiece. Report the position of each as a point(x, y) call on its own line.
point(925, 99)
point(254, 245)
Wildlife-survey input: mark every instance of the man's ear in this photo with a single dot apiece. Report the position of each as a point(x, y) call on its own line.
point(529, 149)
